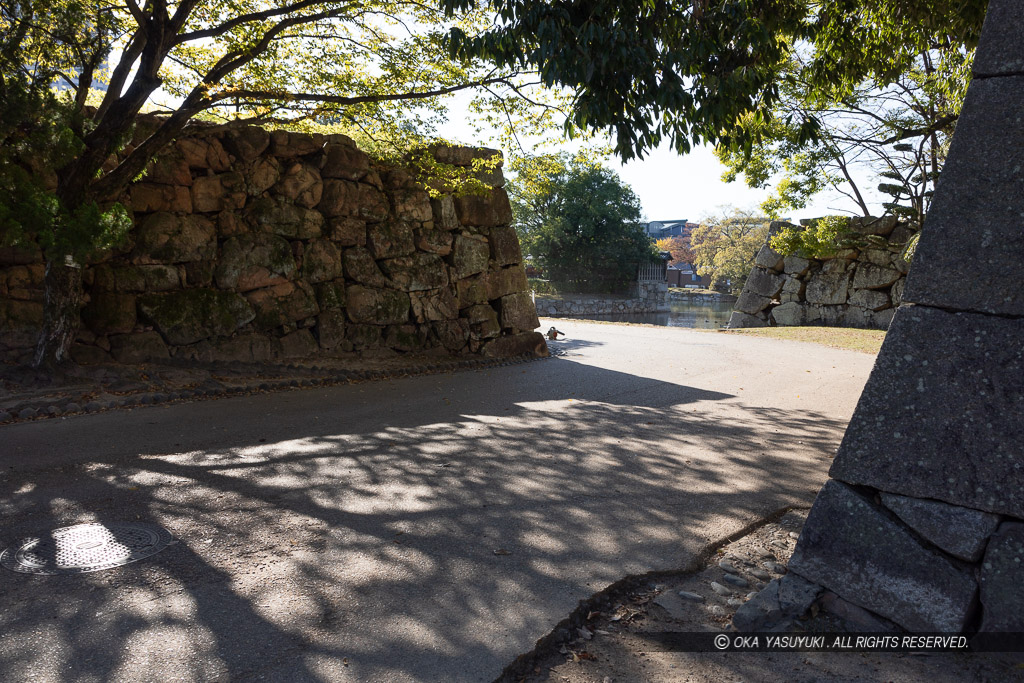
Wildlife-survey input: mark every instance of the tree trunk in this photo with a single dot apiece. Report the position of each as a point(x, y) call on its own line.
point(61, 304)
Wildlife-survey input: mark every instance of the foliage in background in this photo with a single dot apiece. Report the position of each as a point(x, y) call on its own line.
point(725, 245)
point(678, 247)
point(686, 73)
point(820, 239)
point(577, 221)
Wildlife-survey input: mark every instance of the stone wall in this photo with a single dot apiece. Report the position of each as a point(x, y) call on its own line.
point(649, 297)
point(254, 245)
point(922, 522)
point(857, 288)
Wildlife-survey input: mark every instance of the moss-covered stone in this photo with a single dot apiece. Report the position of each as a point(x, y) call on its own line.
point(377, 306)
point(438, 304)
point(484, 211)
point(470, 256)
point(154, 278)
point(505, 281)
point(283, 304)
point(330, 296)
point(298, 344)
point(167, 238)
point(330, 329)
point(518, 312)
point(416, 272)
point(472, 291)
point(453, 334)
point(361, 267)
point(364, 336)
point(321, 261)
point(287, 220)
point(391, 239)
point(347, 232)
point(253, 261)
point(505, 246)
point(20, 322)
point(188, 316)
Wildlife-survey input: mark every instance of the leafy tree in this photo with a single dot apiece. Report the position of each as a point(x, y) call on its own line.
point(725, 245)
point(897, 133)
point(578, 221)
point(686, 73)
point(678, 247)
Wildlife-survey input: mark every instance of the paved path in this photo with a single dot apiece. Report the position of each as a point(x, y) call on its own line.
point(349, 533)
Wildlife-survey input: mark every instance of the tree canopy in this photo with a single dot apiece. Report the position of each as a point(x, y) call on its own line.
point(725, 245)
point(578, 221)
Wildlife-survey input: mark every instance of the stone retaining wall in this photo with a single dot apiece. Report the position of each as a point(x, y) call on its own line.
point(253, 245)
point(650, 297)
point(857, 288)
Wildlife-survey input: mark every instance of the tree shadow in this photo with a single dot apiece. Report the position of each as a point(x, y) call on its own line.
point(418, 529)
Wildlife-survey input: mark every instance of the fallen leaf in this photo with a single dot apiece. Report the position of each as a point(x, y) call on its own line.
point(502, 551)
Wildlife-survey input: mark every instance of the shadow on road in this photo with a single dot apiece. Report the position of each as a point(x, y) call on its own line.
point(403, 537)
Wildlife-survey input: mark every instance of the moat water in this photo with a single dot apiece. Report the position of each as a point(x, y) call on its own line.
point(711, 315)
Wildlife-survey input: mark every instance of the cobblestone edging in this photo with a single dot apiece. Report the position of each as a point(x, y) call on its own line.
point(236, 379)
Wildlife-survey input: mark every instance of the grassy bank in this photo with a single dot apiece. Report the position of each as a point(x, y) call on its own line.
point(865, 341)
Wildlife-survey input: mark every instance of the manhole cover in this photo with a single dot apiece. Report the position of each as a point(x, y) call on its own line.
point(86, 548)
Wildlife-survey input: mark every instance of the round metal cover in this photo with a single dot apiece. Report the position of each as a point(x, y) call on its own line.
point(86, 548)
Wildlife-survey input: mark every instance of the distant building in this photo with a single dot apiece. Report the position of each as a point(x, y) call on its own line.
point(685, 275)
point(658, 230)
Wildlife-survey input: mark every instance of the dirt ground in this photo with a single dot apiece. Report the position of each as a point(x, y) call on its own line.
point(609, 639)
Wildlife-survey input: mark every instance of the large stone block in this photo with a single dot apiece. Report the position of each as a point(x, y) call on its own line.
point(297, 344)
point(453, 334)
point(154, 278)
point(348, 232)
point(321, 261)
point(505, 246)
point(221, 192)
point(443, 211)
point(959, 531)
point(518, 312)
point(168, 169)
point(484, 210)
point(870, 299)
point(203, 152)
point(436, 305)
point(260, 175)
point(339, 198)
point(377, 306)
point(796, 266)
point(434, 241)
point(751, 303)
point(20, 323)
point(247, 143)
point(505, 281)
point(870, 276)
point(999, 52)
point(288, 220)
point(412, 204)
point(110, 313)
point(940, 414)
point(166, 238)
point(739, 320)
point(827, 288)
point(148, 197)
point(301, 184)
point(870, 225)
point(1002, 575)
point(470, 256)
point(188, 316)
point(764, 283)
point(853, 548)
point(770, 259)
point(404, 337)
point(416, 272)
point(525, 343)
point(330, 329)
point(285, 144)
point(283, 304)
point(360, 266)
point(390, 239)
point(973, 235)
point(789, 314)
point(253, 261)
point(344, 161)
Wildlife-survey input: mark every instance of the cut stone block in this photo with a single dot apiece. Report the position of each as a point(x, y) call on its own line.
point(858, 552)
point(764, 283)
point(827, 288)
point(974, 234)
point(959, 531)
point(751, 303)
point(1002, 574)
point(788, 314)
point(1000, 51)
point(940, 414)
point(740, 320)
point(769, 258)
point(773, 608)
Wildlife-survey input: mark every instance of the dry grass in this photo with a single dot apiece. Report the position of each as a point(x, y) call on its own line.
point(865, 341)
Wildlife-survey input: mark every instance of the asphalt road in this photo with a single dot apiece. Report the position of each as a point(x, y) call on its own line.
point(349, 533)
